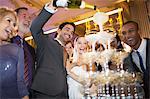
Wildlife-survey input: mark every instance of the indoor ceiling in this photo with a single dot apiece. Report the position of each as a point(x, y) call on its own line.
point(64, 14)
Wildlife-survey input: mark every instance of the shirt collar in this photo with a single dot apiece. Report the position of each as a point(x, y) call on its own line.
point(18, 37)
point(59, 41)
point(142, 46)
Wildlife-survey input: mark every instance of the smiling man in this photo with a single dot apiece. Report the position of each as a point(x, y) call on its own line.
point(24, 22)
point(50, 77)
point(140, 55)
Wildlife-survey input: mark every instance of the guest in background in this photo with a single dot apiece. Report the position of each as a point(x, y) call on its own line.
point(50, 77)
point(116, 43)
point(12, 84)
point(140, 55)
point(69, 50)
point(29, 52)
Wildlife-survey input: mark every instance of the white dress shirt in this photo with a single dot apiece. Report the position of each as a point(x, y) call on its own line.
point(142, 51)
point(50, 10)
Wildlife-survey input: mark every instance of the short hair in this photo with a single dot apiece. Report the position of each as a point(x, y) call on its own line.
point(133, 22)
point(66, 23)
point(20, 8)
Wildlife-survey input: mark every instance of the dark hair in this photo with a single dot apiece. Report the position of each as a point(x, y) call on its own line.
point(119, 46)
point(65, 23)
point(68, 43)
point(133, 22)
point(20, 8)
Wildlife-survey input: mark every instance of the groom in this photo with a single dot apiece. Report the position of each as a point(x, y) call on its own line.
point(50, 76)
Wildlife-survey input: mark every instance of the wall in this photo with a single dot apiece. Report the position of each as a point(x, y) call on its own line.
point(139, 13)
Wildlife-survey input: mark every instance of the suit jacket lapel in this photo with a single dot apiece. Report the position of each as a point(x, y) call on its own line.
point(134, 65)
point(148, 55)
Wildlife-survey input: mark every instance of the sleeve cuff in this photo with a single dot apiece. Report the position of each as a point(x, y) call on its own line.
point(50, 10)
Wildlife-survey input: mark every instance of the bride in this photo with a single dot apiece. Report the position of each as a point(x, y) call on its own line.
point(77, 73)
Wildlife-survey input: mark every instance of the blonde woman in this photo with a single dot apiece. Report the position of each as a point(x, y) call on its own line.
point(11, 59)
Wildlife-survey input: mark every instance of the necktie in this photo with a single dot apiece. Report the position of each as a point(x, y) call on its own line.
point(141, 62)
point(27, 66)
point(27, 69)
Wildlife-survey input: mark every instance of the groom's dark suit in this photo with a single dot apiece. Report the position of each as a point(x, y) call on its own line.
point(131, 66)
point(50, 76)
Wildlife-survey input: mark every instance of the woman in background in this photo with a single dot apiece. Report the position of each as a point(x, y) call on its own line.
point(69, 50)
point(11, 59)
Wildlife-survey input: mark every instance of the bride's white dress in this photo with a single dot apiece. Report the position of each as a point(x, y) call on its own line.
point(75, 88)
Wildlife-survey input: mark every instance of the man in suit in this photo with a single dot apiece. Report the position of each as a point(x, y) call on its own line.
point(140, 55)
point(29, 52)
point(50, 77)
